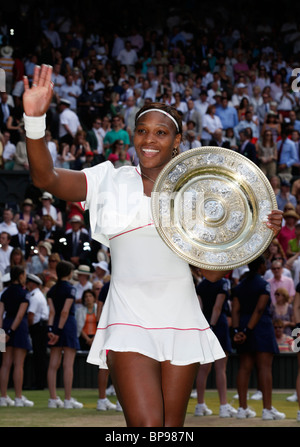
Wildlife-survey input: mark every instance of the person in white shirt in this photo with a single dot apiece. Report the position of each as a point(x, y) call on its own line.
point(51, 146)
point(128, 56)
point(69, 122)
point(9, 152)
point(57, 78)
point(211, 122)
point(70, 91)
point(38, 314)
point(5, 251)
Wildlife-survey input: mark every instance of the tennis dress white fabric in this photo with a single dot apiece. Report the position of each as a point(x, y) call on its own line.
point(152, 307)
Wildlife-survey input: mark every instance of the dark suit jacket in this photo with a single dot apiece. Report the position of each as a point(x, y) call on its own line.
point(225, 143)
point(249, 152)
point(67, 246)
point(29, 242)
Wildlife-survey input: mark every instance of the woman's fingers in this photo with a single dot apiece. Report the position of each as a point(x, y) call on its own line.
point(36, 75)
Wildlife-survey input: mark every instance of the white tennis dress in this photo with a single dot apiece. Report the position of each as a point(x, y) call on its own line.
point(152, 307)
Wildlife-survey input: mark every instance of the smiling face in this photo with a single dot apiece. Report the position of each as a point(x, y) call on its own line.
point(155, 138)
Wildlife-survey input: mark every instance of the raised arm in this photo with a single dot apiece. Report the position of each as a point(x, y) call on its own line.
point(62, 183)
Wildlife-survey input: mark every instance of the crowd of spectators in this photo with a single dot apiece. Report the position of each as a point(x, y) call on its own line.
point(231, 75)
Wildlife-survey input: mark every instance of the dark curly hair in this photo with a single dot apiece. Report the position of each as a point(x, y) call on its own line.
point(164, 107)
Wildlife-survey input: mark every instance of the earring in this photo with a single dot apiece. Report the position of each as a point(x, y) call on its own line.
point(174, 152)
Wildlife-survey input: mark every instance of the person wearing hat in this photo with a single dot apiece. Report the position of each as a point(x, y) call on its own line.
point(38, 314)
point(76, 244)
point(83, 274)
point(69, 123)
point(288, 231)
point(38, 259)
point(102, 272)
point(48, 208)
point(26, 213)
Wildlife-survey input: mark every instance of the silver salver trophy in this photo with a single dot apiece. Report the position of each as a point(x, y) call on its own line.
point(210, 206)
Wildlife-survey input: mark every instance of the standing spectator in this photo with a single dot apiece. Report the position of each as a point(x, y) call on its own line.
point(70, 92)
point(254, 338)
point(69, 122)
point(267, 154)
point(247, 148)
point(14, 304)
point(213, 299)
point(62, 333)
point(38, 314)
point(5, 251)
point(127, 56)
point(211, 122)
point(227, 114)
point(193, 115)
point(287, 155)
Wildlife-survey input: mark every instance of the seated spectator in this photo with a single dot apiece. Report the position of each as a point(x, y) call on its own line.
point(49, 273)
point(38, 259)
point(274, 251)
point(283, 309)
point(284, 196)
point(102, 272)
point(82, 277)
point(294, 244)
point(288, 232)
point(50, 233)
point(280, 281)
point(267, 154)
point(247, 148)
point(23, 239)
point(86, 319)
point(8, 223)
point(49, 209)
point(16, 258)
point(75, 246)
point(284, 341)
point(9, 152)
point(27, 214)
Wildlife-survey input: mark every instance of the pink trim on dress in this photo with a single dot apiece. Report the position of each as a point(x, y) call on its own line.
point(129, 231)
point(153, 328)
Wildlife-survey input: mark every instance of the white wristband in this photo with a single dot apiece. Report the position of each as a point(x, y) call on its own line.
point(35, 126)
